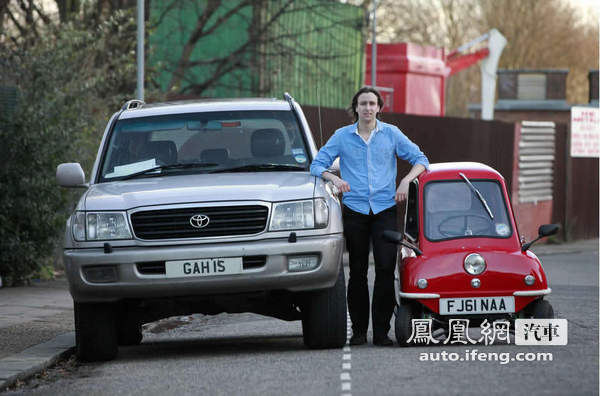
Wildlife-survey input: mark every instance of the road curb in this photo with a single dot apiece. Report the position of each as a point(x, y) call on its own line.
point(35, 359)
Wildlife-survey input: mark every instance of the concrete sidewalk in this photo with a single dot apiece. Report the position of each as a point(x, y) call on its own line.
point(36, 321)
point(36, 328)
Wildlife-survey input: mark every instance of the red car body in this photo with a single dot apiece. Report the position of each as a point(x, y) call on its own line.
point(442, 246)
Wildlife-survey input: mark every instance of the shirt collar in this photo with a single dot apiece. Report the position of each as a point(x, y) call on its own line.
point(378, 126)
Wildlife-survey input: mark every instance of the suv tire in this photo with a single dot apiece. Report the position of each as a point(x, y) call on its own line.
point(324, 316)
point(95, 331)
point(129, 331)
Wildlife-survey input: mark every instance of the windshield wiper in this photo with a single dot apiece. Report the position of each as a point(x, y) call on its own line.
point(259, 167)
point(478, 194)
point(172, 166)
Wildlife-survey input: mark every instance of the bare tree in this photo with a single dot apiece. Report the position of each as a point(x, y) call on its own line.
point(545, 34)
point(268, 40)
point(540, 34)
point(23, 21)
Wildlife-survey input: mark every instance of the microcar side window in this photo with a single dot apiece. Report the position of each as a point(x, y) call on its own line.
point(453, 210)
point(411, 218)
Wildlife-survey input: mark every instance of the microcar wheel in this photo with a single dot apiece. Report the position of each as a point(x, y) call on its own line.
point(540, 309)
point(324, 316)
point(405, 313)
point(95, 332)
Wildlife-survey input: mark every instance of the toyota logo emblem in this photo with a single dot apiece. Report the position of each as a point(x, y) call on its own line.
point(199, 221)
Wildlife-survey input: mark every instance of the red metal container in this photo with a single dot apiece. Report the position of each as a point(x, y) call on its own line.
point(416, 73)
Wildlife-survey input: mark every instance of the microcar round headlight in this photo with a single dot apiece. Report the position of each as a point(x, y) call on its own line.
point(474, 264)
point(529, 280)
point(422, 283)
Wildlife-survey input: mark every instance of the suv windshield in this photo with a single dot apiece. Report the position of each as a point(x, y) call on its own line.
point(230, 141)
point(453, 210)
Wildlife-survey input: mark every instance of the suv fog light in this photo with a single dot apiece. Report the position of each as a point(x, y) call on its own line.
point(529, 280)
point(475, 283)
point(474, 264)
point(302, 263)
point(422, 283)
point(100, 274)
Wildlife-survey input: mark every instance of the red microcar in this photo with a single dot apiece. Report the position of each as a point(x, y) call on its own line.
point(462, 256)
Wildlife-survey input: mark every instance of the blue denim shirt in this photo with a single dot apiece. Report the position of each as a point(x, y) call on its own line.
point(369, 167)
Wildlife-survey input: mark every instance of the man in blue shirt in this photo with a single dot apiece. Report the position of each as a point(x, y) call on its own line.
point(367, 152)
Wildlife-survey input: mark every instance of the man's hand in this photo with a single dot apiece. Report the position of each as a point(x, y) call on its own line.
point(402, 191)
point(341, 184)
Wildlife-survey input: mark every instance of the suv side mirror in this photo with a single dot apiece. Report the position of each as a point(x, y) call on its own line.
point(544, 231)
point(398, 239)
point(70, 175)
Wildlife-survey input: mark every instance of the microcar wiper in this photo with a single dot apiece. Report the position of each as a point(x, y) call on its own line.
point(259, 167)
point(171, 166)
point(476, 191)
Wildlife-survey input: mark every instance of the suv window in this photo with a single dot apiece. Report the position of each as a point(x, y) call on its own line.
point(204, 142)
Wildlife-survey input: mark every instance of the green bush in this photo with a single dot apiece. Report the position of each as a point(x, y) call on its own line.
point(61, 91)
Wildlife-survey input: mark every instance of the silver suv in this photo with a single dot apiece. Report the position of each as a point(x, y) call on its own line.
point(203, 207)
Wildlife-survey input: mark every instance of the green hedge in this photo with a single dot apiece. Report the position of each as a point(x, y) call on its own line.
point(64, 87)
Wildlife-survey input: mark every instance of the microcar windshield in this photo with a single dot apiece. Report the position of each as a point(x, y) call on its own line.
point(465, 209)
point(207, 142)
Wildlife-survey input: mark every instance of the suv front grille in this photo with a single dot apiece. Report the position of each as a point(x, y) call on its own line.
point(223, 221)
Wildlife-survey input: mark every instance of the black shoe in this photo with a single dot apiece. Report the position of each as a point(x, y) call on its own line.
point(383, 341)
point(358, 339)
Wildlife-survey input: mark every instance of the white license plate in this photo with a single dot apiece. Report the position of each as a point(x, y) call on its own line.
point(477, 305)
point(203, 267)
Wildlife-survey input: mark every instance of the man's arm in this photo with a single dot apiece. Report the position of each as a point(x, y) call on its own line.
point(325, 157)
point(340, 183)
point(402, 191)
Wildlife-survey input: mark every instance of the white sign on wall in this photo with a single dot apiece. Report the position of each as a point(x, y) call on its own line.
point(585, 132)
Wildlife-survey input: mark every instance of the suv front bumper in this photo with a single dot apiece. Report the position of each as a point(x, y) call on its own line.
point(273, 275)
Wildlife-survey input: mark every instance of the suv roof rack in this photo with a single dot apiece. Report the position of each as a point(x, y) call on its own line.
point(133, 104)
point(289, 99)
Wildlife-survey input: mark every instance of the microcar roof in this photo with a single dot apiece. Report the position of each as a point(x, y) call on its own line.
point(451, 170)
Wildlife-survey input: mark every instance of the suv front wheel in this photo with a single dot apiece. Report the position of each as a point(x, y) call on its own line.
point(95, 331)
point(324, 316)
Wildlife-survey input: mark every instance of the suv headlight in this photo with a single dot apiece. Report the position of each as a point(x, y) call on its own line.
point(296, 215)
point(90, 226)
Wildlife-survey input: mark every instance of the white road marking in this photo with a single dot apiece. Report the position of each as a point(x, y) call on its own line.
point(345, 378)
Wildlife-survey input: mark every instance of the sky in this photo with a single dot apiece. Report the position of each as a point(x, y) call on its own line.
point(590, 9)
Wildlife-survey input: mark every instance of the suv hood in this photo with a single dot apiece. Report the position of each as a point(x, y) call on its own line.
point(247, 186)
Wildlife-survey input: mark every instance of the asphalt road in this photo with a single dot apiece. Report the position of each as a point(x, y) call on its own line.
point(250, 354)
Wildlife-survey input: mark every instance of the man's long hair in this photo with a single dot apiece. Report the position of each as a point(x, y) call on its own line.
point(352, 108)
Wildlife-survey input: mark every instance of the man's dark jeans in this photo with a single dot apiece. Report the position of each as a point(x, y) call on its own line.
point(359, 230)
